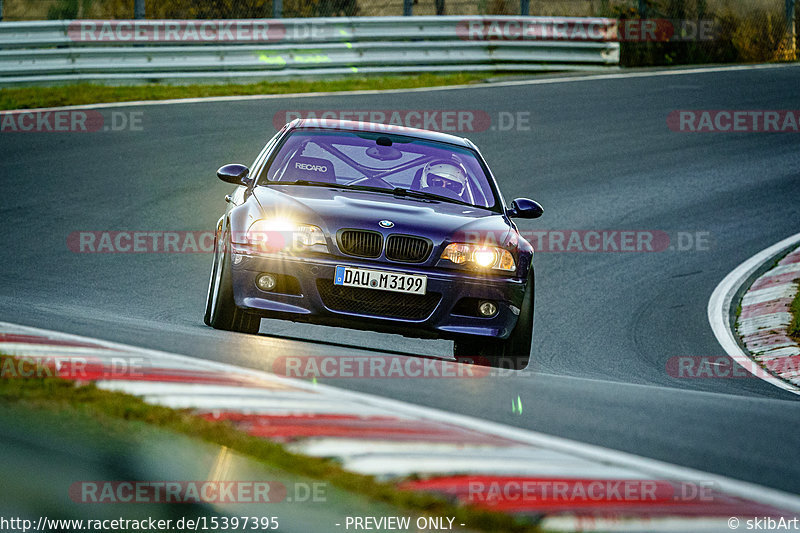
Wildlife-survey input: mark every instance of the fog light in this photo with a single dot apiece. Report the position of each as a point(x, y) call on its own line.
point(266, 282)
point(487, 308)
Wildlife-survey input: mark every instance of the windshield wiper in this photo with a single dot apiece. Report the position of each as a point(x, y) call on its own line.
point(399, 191)
point(333, 185)
point(309, 183)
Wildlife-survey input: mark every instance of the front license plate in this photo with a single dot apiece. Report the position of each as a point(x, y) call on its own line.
point(380, 279)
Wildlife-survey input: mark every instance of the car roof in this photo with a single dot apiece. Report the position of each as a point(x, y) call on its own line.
point(352, 125)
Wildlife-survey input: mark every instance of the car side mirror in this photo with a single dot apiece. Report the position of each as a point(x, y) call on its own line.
point(235, 173)
point(525, 208)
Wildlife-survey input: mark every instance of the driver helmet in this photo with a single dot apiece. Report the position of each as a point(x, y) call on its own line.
point(442, 174)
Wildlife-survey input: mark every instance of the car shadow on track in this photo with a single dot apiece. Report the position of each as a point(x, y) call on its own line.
point(354, 346)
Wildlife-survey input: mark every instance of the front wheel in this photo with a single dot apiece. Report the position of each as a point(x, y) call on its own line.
point(513, 352)
point(221, 311)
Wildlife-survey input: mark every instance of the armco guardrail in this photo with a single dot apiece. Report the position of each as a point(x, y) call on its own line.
point(141, 51)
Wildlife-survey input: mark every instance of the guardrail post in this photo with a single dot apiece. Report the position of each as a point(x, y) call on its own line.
point(138, 9)
point(408, 7)
point(524, 7)
point(277, 9)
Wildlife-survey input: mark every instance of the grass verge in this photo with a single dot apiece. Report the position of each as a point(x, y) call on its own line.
point(794, 326)
point(109, 409)
point(37, 97)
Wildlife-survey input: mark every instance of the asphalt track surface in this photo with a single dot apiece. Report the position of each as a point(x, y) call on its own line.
point(598, 155)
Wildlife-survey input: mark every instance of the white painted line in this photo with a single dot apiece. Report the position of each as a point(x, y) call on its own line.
point(275, 406)
point(344, 447)
point(352, 448)
point(777, 353)
point(757, 347)
point(514, 83)
point(720, 303)
point(784, 290)
point(759, 338)
point(791, 375)
point(750, 326)
point(398, 465)
point(649, 467)
point(783, 269)
point(169, 388)
point(517, 455)
point(44, 350)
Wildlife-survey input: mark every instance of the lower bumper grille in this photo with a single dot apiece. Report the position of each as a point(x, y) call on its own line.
point(377, 303)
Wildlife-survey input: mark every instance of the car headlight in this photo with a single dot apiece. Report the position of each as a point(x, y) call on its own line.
point(309, 236)
point(282, 235)
point(485, 257)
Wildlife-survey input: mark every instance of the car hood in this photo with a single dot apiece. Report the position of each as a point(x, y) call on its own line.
point(334, 209)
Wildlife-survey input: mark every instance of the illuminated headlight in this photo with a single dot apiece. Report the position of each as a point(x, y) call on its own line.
point(283, 235)
point(310, 236)
point(457, 253)
point(489, 257)
point(484, 257)
point(270, 234)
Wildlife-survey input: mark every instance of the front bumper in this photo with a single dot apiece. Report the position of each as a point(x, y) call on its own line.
point(312, 300)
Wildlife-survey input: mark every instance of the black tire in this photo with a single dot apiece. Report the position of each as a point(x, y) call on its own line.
point(513, 352)
point(221, 311)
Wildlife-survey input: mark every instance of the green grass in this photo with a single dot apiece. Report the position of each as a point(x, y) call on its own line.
point(794, 326)
point(36, 97)
point(109, 409)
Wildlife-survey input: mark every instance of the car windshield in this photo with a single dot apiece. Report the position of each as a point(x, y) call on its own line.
point(381, 160)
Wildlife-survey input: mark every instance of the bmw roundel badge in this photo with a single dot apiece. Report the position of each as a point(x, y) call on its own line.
point(386, 223)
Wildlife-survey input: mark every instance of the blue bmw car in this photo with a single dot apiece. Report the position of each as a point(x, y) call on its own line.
point(375, 227)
